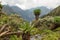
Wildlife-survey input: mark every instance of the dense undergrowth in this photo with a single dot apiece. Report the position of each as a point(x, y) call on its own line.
point(18, 24)
point(13, 27)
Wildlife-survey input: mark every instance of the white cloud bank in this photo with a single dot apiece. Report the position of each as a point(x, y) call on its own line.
point(26, 4)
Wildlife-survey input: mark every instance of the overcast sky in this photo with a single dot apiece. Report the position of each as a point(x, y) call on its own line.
point(27, 4)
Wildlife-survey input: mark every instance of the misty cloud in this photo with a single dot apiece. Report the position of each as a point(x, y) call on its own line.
point(26, 4)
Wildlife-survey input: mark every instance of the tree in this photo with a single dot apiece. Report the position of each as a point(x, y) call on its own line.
point(37, 13)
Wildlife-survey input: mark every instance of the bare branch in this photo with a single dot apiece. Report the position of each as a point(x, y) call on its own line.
point(3, 33)
point(3, 27)
point(11, 33)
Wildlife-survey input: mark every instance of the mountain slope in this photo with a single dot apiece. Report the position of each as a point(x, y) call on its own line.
point(20, 12)
point(54, 12)
point(26, 14)
point(7, 9)
point(14, 9)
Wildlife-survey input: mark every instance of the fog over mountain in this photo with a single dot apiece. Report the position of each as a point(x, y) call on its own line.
point(26, 14)
point(26, 4)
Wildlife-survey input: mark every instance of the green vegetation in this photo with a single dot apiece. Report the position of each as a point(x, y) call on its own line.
point(57, 19)
point(13, 27)
point(37, 11)
point(51, 36)
point(0, 6)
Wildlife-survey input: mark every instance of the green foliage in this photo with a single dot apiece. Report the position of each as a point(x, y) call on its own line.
point(17, 23)
point(13, 37)
point(26, 27)
point(57, 19)
point(37, 11)
point(51, 36)
point(13, 21)
point(57, 29)
point(1, 6)
point(4, 19)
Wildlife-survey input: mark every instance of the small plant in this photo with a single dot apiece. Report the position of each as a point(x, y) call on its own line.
point(27, 30)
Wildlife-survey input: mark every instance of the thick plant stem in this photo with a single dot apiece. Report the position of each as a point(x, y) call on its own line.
point(37, 17)
point(26, 36)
